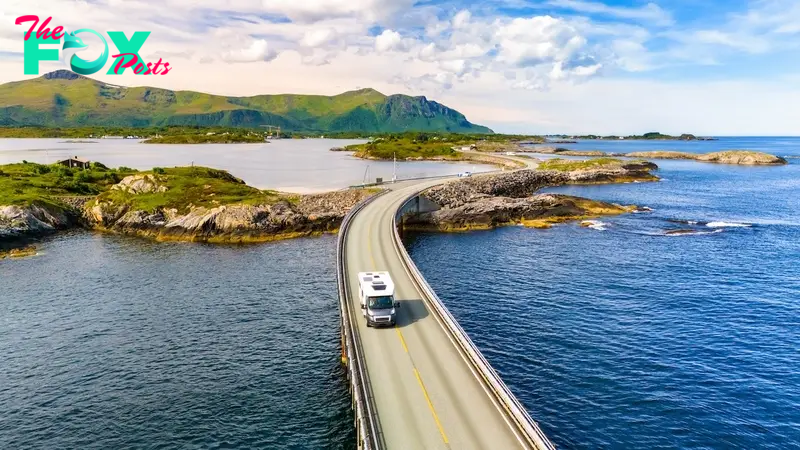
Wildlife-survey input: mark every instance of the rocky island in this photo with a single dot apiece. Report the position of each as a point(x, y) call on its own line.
point(739, 157)
point(425, 147)
point(182, 203)
point(488, 201)
point(210, 138)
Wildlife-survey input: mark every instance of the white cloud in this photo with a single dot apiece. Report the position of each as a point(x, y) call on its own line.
point(461, 19)
point(258, 50)
point(537, 40)
point(649, 12)
point(390, 40)
point(315, 10)
point(550, 71)
point(318, 37)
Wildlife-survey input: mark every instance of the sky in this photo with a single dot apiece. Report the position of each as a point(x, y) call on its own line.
point(708, 67)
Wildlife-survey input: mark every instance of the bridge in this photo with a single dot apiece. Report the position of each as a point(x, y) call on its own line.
point(422, 384)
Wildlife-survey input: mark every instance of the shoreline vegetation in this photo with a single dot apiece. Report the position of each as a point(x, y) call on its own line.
point(210, 138)
point(201, 204)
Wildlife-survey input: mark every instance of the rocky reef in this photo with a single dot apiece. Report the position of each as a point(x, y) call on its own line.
point(489, 201)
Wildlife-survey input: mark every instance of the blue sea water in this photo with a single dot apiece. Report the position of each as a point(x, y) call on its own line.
point(780, 146)
point(617, 336)
point(110, 342)
point(622, 336)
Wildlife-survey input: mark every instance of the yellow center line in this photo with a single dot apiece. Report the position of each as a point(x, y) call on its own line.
point(402, 341)
point(430, 405)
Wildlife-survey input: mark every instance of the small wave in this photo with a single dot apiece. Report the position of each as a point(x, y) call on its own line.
point(594, 224)
point(727, 225)
point(691, 232)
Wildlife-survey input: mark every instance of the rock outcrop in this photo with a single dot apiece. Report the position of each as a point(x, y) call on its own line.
point(740, 157)
point(35, 219)
point(140, 184)
point(492, 200)
point(235, 223)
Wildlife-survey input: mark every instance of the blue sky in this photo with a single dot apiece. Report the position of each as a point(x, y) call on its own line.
point(611, 66)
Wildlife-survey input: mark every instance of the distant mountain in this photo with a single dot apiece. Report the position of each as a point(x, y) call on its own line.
point(66, 99)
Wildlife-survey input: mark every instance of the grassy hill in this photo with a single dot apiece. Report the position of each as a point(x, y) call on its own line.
point(65, 99)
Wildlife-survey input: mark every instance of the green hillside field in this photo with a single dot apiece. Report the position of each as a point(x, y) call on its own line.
point(65, 99)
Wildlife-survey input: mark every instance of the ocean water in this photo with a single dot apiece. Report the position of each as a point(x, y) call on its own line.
point(780, 146)
point(628, 335)
point(618, 336)
point(289, 165)
point(111, 342)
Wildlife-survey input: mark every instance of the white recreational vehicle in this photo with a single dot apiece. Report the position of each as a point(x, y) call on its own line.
point(376, 292)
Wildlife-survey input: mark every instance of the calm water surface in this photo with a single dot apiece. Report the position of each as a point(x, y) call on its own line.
point(291, 165)
point(620, 336)
point(111, 342)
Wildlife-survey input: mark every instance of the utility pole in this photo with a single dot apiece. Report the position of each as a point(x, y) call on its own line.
point(394, 167)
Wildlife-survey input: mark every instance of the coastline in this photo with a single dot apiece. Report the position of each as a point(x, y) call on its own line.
point(733, 157)
point(180, 204)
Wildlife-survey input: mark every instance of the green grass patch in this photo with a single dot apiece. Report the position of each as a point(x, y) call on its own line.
point(568, 165)
point(25, 183)
point(205, 138)
point(194, 186)
point(404, 147)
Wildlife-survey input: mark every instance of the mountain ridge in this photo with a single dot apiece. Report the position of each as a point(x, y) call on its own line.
point(64, 99)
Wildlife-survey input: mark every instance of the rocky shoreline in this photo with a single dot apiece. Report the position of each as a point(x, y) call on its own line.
point(489, 201)
point(738, 157)
point(476, 202)
point(238, 223)
point(295, 216)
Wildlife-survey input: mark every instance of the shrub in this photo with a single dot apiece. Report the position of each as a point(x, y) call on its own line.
point(112, 177)
point(83, 177)
point(41, 169)
point(159, 170)
point(62, 171)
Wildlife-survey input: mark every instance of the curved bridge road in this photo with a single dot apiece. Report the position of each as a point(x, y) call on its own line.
point(426, 393)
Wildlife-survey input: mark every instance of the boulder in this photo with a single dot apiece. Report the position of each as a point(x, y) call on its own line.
point(140, 184)
point(16, 221)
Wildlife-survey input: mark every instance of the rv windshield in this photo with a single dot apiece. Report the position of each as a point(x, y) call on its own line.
point(384, 302)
